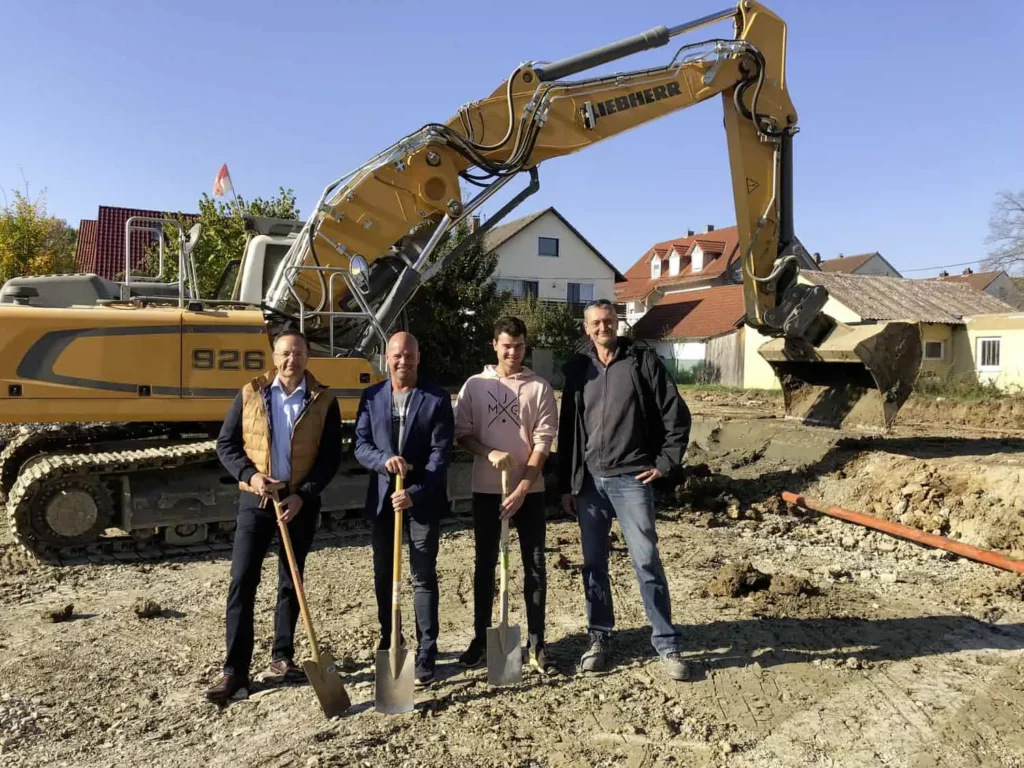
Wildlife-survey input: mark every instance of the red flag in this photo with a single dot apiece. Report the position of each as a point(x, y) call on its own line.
point(222, 184)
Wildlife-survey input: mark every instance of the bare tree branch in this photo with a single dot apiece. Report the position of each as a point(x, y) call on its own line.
point(1006, 234)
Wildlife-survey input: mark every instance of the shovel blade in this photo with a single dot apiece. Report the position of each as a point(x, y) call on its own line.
point(394, 693)
point(504, 655)
point(327, 685)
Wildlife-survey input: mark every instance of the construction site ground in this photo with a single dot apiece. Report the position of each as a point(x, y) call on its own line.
point(817, 643)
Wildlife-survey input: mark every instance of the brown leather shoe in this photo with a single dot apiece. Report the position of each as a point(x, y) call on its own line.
point(282, 670)
point(230, 688)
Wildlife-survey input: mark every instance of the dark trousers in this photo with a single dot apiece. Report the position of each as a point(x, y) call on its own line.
point(632, 503)
point(423, 541)
point(253, 534)
point(530, 525)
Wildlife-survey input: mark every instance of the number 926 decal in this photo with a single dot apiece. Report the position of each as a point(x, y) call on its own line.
point(228, 359)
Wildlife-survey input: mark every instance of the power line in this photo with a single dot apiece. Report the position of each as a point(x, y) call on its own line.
point(944, 266)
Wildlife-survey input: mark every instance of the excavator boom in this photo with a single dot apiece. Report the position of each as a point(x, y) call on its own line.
point(403, 204)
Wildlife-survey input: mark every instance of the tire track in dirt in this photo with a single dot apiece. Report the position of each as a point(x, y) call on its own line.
point(897, 716)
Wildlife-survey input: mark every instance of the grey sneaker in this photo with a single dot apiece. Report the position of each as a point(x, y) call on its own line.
point(677, 668)
point(595, 658)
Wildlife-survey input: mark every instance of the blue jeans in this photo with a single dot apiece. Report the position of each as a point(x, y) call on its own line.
point(632, 503)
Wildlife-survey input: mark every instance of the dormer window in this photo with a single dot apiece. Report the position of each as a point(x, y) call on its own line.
point(655, 267)
point(697, 259)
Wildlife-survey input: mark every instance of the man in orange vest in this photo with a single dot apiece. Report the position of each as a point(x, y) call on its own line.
point(285, 429)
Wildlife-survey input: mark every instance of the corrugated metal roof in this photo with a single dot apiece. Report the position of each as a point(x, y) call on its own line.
point(893, 298)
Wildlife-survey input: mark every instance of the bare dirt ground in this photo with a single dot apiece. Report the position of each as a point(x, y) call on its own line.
point(853, 648)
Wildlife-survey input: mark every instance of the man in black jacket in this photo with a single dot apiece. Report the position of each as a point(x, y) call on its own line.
point(622, 426)
point(281, 428)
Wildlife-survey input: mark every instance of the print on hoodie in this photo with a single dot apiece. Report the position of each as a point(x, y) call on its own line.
point(516, 414)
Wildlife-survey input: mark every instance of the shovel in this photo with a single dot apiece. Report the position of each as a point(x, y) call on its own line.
point(394, 679)
point(322, 671)
point(504, 654)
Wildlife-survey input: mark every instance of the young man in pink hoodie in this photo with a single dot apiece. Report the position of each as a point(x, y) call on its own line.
point(507, 418)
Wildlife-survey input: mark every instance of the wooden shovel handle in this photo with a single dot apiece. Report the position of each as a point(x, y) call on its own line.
point(503, 556)
point(396, 572)
point(282, 526)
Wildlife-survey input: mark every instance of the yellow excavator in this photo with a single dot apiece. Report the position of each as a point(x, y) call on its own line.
point(139, 382)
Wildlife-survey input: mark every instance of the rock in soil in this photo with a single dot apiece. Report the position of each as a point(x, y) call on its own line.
point(788, 584)
point(737, 580)
point(57, 615)
point(145, 608)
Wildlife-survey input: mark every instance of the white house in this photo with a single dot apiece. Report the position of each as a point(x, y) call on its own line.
point(543, 255)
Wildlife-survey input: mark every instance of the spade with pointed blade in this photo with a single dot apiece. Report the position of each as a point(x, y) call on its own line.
point(322, 671)
point(504, 654)
point(395, 669)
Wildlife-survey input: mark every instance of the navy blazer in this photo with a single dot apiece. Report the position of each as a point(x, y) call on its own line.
point(428, 444)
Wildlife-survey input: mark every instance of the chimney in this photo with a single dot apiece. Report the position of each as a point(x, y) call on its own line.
point(968, 271)
point(839, 256)
point(474, 223)
point(710, 228)
point(690, 233)
point(943, 273)
point(817, 258)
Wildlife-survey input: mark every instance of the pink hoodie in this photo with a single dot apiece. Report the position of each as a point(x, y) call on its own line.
point(516, 414)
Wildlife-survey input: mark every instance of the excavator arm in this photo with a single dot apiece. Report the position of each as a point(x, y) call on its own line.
point(378, 229)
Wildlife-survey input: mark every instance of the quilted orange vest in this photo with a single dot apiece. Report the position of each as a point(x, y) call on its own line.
point(305, 436)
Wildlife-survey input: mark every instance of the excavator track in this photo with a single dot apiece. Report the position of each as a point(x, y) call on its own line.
point(23, 447)
point(73, 483)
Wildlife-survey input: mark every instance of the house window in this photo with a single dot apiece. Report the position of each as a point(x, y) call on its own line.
point(933, 350)
point(989, 354)
point(518, 288)
point(547, 246)
point(697, 260)
point(673, 264)
point(579, 293)
point(655, 267)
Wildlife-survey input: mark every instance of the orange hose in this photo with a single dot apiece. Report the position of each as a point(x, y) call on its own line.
point(906, 532)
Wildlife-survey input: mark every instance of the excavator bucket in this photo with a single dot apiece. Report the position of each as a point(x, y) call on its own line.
point(858, 377)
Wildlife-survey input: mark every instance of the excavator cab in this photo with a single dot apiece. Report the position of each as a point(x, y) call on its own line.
point(858, 377)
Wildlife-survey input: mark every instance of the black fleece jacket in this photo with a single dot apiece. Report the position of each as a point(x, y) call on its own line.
point(644, 421)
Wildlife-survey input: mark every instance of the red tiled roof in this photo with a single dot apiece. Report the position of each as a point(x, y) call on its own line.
point(978, 280)
point(711, 246)
point(85, 248)
point(698, 314)
point(109, 260)
point(846, 264)
point(717, 259)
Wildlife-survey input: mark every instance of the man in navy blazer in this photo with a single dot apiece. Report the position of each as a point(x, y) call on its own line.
point(406, 426)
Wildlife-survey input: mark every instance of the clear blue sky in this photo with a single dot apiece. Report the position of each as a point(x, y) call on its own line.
point(910, 112)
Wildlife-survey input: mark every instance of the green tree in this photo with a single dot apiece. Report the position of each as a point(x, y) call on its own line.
point(223, 235)
point(453, 314)
point(548, 325)
point(32, 242)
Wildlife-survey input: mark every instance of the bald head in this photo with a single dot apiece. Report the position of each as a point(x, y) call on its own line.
point(403, 359)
